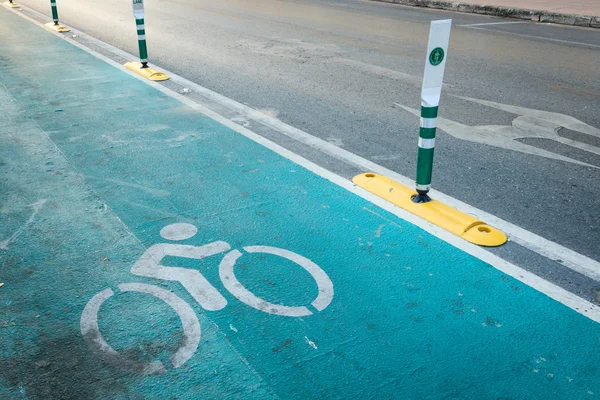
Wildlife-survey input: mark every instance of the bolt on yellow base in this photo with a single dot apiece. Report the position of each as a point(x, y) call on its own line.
point(57, 28)
point(466, 226)
point(148, 73)
point(11, 5)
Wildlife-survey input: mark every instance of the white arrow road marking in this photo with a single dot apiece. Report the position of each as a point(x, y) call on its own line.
point(563, 120)
point(530, 124)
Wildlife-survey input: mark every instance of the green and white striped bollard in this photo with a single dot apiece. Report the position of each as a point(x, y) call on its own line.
point(141, 67)
point(54, 12)
point(138, 12)
point(433, 77)
point(55, 25)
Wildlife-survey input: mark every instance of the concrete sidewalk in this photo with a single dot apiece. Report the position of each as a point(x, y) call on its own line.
point(584, 13)
point(125, 211)
point(578, 7)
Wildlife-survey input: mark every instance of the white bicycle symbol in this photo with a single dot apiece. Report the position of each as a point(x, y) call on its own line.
point(149, 265)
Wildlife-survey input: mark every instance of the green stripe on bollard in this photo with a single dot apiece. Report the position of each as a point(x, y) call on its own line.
point(427, 133)
point(429, 112)
point(143, 50)
point(424, 168)
point(54, 12)
point(141, 31)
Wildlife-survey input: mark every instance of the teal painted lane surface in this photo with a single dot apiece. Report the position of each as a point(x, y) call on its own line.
point(97, 166)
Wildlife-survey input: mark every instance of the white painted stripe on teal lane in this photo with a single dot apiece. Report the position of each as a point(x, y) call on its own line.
point(141, 37)
point(428, 122)
point(536, 243)
point(139, 27)
point(426, 143)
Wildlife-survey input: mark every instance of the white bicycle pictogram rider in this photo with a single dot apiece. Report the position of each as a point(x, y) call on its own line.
point(149, 265)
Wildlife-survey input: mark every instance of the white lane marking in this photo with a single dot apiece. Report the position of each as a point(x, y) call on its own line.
point(536, 37)
point(85, 78)
point(271, 112)
point(93, 337)
point(536, 243)
point(494, 23)
point(36, 209)
point(231, 283)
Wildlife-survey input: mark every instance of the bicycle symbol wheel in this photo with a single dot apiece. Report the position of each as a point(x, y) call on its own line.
point(231, 283)
point(95, 340)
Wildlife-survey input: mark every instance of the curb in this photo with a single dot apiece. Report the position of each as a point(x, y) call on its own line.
point(506, 12)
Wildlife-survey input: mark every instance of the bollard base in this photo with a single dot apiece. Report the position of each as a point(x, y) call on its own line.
point(11, 5)
point(57, 28)
point(420, 198)
point(452, 220)
point(147, 73)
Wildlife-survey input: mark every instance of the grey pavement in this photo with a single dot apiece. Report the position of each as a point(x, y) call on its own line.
point(576, 12)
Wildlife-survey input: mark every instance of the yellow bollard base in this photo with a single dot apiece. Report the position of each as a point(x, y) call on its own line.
point(148, 73)
point(11, 5)
point(466, 226)
point(57, 28)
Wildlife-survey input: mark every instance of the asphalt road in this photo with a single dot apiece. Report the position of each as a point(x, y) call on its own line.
point(336, 68)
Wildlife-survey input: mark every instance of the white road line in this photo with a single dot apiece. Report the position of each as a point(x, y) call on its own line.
point(537, 37)
point(494, 23)
point(528, 239)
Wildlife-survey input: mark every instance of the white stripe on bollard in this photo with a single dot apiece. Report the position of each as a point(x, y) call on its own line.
point(426, 143)
point(428, 122)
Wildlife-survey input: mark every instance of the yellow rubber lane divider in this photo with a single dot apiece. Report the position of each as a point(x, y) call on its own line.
point(57, 28)
point(148, 73)
point(11, 5)
point(448, 218)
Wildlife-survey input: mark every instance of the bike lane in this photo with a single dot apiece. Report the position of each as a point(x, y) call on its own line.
point(411, 316)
